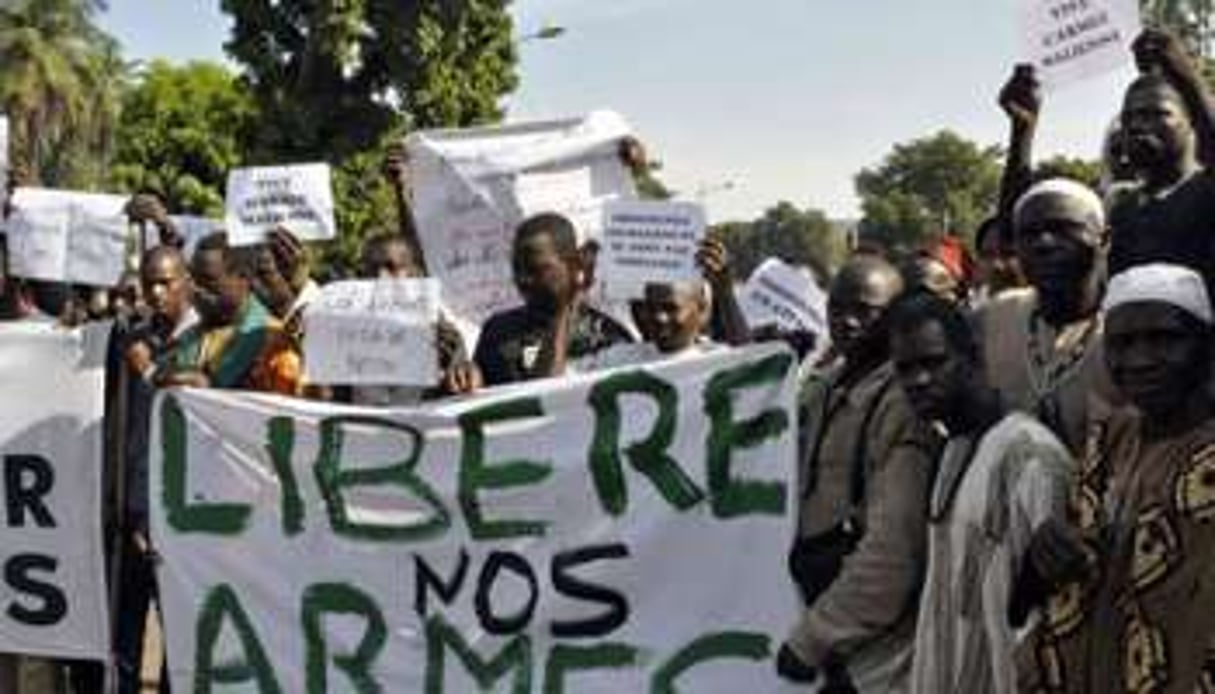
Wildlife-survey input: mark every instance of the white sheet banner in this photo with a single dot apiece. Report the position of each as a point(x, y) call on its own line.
point(648, 241)
point(787, 296)
point(52, 588)
point(472, 187)
point(298, 197)
point(68, 236)
point(1069, 40)
point(616, 532)
point(373, 332)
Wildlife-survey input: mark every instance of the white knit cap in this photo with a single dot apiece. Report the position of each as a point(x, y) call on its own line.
point(1161, 282)
point(1066, 188)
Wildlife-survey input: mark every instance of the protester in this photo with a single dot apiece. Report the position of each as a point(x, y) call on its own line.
point(236, 343)
point(397, 172)
point(281, 279)
point(674, 317)
point(866, 469)
point(1042, 348)
point(942, 267)
point(1000, 476)
point(390, 256)
point(555, 323)
point(726, 321)
point(166, 283)
point(1137, 576)
point(148, 207)
point(1170, 139)
point(15, 300)
point(998, 269)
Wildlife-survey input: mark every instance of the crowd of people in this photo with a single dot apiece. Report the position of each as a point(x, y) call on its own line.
point(1006, 465)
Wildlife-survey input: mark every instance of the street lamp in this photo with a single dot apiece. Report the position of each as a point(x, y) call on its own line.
point(704, 190)
point(544, 33)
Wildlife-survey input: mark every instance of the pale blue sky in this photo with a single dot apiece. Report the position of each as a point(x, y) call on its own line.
point(788, 99)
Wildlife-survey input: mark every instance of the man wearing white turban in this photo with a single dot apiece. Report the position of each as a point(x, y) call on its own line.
point(1042, 348)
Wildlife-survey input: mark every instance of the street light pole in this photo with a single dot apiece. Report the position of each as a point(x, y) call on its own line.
point(544, 33)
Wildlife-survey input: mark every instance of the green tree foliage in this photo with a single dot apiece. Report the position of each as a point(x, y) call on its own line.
point(800, 237)
point(181, 130)
point(942, 183)
point(1083, 170)
point(331, 78)
point(336, 81)
point(1189, 19)
point(60, 87)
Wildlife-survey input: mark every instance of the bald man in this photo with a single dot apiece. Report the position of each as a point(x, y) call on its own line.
point(866, 469)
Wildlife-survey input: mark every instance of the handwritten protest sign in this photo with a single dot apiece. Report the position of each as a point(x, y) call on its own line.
point(67, 236)
point(52, 580)
point(297, 197)
point(778, 293)
point(373, 332)
point(472, 187)
point(648, 241)
point(1069, 40)
point(624, 531)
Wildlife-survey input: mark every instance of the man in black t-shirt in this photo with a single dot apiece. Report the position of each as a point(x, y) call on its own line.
point(555, 324)
point(1167, 126)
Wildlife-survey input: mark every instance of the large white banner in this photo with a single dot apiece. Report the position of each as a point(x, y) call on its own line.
point(615, 532)
point(1069, 40)
point(52, 588)
point(472, 187)
point(68, 236)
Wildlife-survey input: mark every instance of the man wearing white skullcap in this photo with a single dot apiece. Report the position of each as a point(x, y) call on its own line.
point(1042, 349)
point(1163, 283)
point(1134, 581)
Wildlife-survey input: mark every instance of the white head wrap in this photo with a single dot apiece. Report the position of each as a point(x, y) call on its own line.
point(1174, 285)
point(1072, 190)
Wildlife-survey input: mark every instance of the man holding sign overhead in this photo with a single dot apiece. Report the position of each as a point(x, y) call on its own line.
point(1170, 140)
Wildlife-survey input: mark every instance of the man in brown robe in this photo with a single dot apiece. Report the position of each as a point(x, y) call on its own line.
point(1133, 608)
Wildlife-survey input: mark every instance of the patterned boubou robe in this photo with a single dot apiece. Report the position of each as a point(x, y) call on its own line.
point(1144, 622)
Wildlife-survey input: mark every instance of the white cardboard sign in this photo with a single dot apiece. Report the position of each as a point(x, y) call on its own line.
point(373, 332)
point(648, 241)
point(298, 197)
point(1070, 40)
point(66, 236)
point(779, 293)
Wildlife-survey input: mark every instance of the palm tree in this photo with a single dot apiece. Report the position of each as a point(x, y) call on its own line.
point(57, 87)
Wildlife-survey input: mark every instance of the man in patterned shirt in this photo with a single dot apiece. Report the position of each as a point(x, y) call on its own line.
point(1134, 607)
